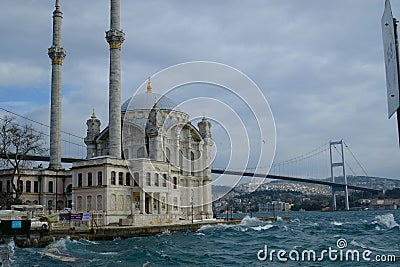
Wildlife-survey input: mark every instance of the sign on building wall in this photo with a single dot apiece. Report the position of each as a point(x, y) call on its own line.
point(85, 216)
point(76, 216)
point(16, 225)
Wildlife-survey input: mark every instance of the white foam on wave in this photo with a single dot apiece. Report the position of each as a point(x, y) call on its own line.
point(241, 228)
point(61, 243)
point(165, 232)
point(109, 253)
point(386, 220)
point(205, 227)
point(260, 228)
point(11, 247)
point(249, 220)
point(85, 242)
point(337, 223)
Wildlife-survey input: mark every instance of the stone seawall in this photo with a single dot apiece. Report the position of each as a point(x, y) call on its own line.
point(113, 232)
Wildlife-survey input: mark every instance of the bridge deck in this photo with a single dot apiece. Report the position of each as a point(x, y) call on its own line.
point(294, 179)
point(338, 186)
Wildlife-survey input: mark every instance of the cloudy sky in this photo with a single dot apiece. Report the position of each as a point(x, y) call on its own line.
point(319, 63)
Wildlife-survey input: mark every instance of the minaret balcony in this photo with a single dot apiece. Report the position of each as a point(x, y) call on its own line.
point(57, 53)
point(115, 38)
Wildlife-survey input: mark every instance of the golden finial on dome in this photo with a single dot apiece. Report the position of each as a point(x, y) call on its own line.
point(149, 88)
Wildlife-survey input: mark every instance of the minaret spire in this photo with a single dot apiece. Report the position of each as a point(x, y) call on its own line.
point(57, 54)
point(115, 37)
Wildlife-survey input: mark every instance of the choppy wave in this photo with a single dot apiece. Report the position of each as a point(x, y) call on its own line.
point(372, 248)
point(229, 244)
point(386, 220)
point(261, 228)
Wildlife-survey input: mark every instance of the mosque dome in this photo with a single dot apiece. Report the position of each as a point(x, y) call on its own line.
point(147, 100)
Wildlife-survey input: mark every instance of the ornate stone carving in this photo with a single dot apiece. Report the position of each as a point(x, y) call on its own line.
point(56, 54)
point(115, 38)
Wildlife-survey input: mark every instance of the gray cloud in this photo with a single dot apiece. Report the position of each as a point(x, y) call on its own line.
point(319, 63)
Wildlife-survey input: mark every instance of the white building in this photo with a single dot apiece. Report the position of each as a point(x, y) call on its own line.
point(165, 172)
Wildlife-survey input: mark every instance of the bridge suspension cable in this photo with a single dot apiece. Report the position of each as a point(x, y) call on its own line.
point(358, 162)
point(310, 164)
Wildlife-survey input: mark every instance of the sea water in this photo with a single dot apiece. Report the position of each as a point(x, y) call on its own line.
point(359, 238)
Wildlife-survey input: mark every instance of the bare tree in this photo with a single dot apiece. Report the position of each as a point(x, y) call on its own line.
point(17, 142)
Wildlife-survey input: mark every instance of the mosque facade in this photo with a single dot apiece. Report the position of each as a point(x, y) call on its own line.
point(165, 173)
point(149, 165)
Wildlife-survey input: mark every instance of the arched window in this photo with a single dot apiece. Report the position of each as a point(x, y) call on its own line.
point(50, 189)
point(156, 179)
point(20, 185)
point(79, 179)
point(68, 189)
point(113, 202)
point(60, 205)
point(28, 186)
point(79, 203)
point(35, 186)
point(89, 179)
point(136, 179)
point(113, 177)
point(175, 181)
point(121, 178)
point(164, 180)
point(128, 179)
point(99, 202)
point(192, 163)
point(180, 161)
point(99, 178)
point(148, 179)
point(88, 203)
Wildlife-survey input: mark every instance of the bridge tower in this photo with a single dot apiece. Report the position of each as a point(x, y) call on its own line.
point(338, 164)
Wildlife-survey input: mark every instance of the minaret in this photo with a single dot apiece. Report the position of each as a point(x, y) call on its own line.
point(205, 132)
point(93, 129)
point(115, 37)
point(56, 53)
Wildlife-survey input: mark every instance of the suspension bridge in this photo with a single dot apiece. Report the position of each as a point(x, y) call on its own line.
point(324, 165)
